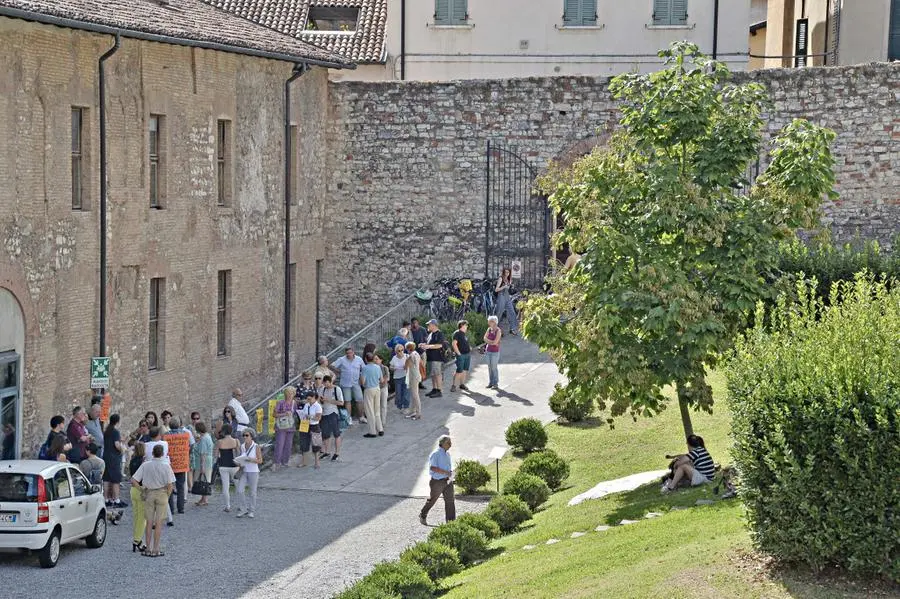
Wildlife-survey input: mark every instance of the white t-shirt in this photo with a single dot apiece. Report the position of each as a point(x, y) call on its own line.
point(148, 447)
point(398, 364)
point(240, 414)
point(311, 412)
point(333, 393)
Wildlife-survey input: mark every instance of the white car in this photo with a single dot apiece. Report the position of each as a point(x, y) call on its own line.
point(45, 504)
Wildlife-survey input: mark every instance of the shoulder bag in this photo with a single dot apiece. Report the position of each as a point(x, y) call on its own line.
point(201, 486)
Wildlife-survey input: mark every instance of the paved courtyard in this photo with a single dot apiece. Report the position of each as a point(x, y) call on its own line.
point(315, 530)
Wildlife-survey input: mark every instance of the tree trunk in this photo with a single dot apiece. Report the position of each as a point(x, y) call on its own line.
point(685, 412)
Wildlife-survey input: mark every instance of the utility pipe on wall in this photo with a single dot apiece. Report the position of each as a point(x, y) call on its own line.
point(715, 46)
point(402, 40)
point(103, 192)
point(299, 70)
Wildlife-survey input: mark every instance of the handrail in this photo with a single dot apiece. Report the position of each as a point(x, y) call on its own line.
point(390, 320)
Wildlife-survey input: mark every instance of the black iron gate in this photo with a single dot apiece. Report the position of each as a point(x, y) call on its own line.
point(517, 219)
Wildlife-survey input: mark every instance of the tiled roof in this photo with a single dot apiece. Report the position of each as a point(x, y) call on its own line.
point(365, 45)
point(189, 21)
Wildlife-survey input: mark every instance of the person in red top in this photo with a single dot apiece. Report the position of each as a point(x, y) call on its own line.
point(492, 339)
point(78, 435)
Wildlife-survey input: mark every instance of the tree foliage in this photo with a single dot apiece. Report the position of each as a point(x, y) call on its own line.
point(675, 242)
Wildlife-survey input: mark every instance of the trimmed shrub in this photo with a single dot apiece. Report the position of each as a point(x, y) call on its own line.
point(547, 466)
point(814, 397)
point(526, 434)
point(366, 589)
point(478, 325)
point(470, 542)
point(569, 406)
point(407, 579)
point(471, 475)
point(438, 560)
point(527, 487)
point(508, 511)
point(481, 522)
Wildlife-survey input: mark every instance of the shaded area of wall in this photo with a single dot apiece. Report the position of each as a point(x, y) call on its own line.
point(407, 161)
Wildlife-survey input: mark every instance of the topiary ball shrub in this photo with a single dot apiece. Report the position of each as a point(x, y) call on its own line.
point(481, 522)
point(366, 589)
point(814, 392)
point(569, 406)
point(526, 434)
point(528, 488)
point(508, 511)
point(407, 579)
point(470, 542)
point(547, 466)
point(438, 560)
point(471, 475)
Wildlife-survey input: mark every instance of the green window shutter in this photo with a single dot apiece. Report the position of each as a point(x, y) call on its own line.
point(894, 32)
point(572, 13)
point(679, 12)
point(662, 12)
point(458, 12)
point(441, 12)
point(588, 12)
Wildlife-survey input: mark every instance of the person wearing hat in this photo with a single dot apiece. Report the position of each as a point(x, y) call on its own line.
point(434, 357)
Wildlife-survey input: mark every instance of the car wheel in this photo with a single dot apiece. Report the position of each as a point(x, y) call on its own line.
point(49, 555)
point(98, 537)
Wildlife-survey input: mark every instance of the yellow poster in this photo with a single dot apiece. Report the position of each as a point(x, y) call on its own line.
point(272, 404)
point(259, 420)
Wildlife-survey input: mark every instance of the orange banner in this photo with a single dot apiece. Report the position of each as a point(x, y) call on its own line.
point(179, 451)
point(105, 407)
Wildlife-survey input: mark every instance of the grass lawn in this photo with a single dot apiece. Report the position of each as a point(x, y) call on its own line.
point(703, 551)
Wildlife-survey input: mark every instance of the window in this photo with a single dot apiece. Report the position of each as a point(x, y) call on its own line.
point(580, 13)
point(61, 482)
point(801, 42)
point(451, 12)
point(18, 488)
point(223, 316)
point(223, 162)
point(292, 156)
point(894, 32)
point(332, 18)
point(79, 483)
point(669, 12)
point(157, 171)
point(157, 323)
point(78, 158)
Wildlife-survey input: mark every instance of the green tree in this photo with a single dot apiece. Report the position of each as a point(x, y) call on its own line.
point(675, 243)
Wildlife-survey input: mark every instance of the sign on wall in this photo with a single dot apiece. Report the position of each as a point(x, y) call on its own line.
point(99, 373)
point(515, 268)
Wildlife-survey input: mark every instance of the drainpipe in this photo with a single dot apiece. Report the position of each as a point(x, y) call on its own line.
point(299, 70)
point(103, 192)
point(402, 40)
point(715, 48)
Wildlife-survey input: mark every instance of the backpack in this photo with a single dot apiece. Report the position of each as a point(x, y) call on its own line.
point(95, 476)
point(44, 452)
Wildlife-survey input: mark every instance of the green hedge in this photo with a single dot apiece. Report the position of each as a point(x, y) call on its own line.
point(438, 560)
point(815, 397)
point(470, 542)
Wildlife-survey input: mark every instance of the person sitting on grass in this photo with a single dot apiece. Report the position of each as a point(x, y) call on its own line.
point(696, 466)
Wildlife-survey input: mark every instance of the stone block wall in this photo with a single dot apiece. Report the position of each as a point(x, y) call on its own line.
point(407, 161)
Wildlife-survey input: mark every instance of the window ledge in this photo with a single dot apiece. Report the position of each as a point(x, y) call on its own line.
point(466, 26)
point(598, 27)
point(685, 26)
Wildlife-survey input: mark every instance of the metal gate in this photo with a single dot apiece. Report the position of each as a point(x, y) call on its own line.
point(517, 219)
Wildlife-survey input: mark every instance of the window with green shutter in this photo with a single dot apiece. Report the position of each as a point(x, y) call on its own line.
point(451, 12)
point(669, 12)
point(579, 13)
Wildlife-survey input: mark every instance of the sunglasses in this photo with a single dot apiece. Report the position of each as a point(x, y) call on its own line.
point(195, 419)
point(246, 435)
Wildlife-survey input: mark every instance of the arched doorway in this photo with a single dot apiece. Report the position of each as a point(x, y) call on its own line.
point(12, 350)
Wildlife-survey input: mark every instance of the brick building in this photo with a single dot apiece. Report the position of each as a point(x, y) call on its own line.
point(195, 241)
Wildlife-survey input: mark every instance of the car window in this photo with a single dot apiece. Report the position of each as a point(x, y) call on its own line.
point(18, 488)
point(79, 483)
point(61, 482)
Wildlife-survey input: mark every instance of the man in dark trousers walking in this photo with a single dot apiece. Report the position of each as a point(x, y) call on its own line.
point(440, 467)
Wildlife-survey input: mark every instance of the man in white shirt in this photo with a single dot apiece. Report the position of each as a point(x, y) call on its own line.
point(348, 367)
point(240, 414)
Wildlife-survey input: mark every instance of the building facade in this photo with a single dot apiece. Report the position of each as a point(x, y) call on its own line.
point(195, 236)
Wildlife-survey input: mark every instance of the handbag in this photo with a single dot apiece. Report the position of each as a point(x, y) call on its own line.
point(317, 439)
point(284, 422)
point(201, 486)
point(304, 426)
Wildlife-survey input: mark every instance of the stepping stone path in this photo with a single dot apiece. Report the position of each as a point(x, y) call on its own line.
point(552, 541)
point(624, 522)
point(575, 535)
point(649, 515)
point(601, 528)
point(528, 547)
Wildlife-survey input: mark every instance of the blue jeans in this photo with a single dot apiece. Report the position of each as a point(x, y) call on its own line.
point(493, 358)
point(401, 394)
point(505, 304)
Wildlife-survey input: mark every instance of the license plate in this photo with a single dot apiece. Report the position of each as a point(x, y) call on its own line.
point(8, 517)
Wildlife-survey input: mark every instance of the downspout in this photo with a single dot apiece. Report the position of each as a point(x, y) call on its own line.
point(402, 40)
point(299, 70)
point(103, 192)
point(715, 47)
point(827, 26)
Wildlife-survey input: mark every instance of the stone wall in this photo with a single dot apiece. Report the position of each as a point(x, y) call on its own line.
point(407, 167)
point(50, 254)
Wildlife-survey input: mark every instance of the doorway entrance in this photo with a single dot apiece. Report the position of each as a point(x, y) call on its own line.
point(9, 406)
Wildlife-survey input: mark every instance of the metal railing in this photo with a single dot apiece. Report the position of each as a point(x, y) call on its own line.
point(378, 331)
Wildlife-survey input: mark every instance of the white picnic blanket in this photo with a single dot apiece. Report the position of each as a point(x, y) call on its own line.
point(627, 483)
